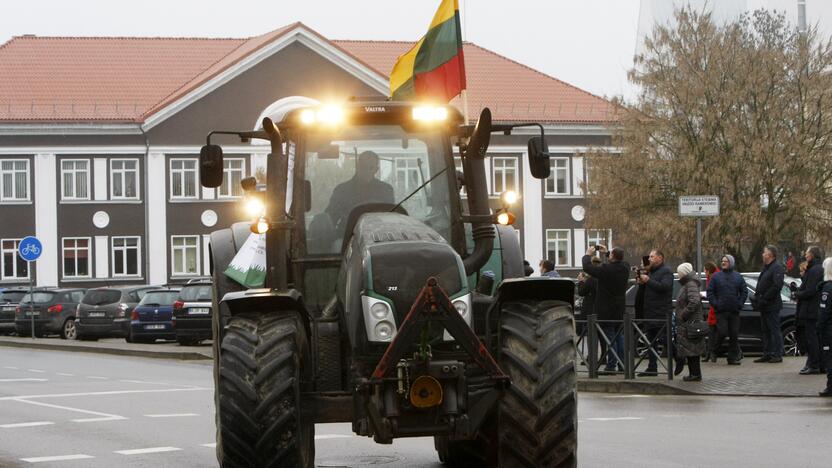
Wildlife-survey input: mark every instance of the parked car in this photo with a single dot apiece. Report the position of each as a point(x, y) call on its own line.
point(105, 312)
point(9, 298)
point(192, 313)
point(53, 310)
point(151, 319)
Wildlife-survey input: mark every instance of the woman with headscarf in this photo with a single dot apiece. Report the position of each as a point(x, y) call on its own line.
point(688, 310)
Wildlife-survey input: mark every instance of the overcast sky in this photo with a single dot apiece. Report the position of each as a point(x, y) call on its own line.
point(588, 43)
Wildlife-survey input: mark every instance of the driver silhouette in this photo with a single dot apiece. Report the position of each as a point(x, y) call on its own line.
point(361, 189)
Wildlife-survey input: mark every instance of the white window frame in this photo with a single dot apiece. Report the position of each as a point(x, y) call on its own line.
point(123, 185)
point(74, 185)
point(14, 171)
point(16, 257)
point(113, 249)
point(184, 249)
point(492, 186)
point(76, 249)
point(405, 166)
point(553, 177)
point(226, 176)
point(568, 246)
point(606, 238)
point(181, 173)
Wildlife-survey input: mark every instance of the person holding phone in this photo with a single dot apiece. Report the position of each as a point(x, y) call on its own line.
point(658, 305)
point(611, 277)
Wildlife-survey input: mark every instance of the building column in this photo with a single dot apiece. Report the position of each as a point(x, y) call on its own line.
point(532, 214)
point(46, 219)
point(579, 241)
point(100, 178)
point(206, 254)
point(102, 257)
point(157, 235)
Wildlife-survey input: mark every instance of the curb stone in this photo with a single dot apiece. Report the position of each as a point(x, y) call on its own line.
point(155, 354)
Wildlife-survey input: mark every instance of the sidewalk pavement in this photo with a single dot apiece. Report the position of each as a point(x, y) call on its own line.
point(748, 379)
point(116, 346)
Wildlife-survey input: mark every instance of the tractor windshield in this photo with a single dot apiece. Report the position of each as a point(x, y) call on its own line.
point(356, 166)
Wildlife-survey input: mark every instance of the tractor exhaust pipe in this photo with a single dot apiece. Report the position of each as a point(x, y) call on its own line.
point(474, 167)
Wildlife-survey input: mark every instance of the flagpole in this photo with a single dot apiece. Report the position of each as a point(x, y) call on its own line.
point(464, 94)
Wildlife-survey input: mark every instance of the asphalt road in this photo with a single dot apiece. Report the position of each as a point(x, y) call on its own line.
point(84, 410)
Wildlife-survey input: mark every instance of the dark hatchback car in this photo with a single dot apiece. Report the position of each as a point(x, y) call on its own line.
point(105, 312)
point(9, 298)
point(192, 313)
point(53, 310)
point(151, 319)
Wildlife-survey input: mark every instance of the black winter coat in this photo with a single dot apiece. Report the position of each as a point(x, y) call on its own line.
point(658, 293)
point(612, 287)
point(808, 296)
point(727, 292)
point(588, 289)
point(825, 314)
point(767, 297)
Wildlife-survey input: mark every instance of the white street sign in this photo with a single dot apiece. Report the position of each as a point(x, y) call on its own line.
point(699, 206)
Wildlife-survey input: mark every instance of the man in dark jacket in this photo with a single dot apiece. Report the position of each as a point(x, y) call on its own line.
point(610, 297)
point(808, 303)
point(658, 304)
point(825, 324)
point(768, 301)
point(727, 293)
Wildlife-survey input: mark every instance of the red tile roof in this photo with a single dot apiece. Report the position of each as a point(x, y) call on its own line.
point(115, 79)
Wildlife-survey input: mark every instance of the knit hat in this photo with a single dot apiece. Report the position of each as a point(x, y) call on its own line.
point(684, 270)
point(731, 261)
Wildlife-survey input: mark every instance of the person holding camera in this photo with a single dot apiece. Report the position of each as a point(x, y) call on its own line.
point(611, 277)
point(808, 304)
point(727, 293)
point(768, 301)
point(657, 283)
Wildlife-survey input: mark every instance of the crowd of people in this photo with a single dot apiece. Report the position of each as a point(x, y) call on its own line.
point(698, 337)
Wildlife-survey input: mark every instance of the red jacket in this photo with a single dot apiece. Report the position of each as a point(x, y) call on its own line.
point(711, 312)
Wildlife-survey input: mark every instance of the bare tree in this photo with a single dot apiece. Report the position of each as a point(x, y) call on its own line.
point(741, 110)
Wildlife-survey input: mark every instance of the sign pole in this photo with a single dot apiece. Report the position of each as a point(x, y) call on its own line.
point(698, 245)
point(31, 298)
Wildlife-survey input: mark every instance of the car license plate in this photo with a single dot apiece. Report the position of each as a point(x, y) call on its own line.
point(96, 314)
point(154, 327)
point(199, 311)
point(8, 309)
point(35, 313)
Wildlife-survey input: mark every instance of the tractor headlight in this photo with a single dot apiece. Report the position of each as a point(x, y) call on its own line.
point(255, 207)
point(430, 113)
point(327, 115)
point(462, 305)
point(379, 321)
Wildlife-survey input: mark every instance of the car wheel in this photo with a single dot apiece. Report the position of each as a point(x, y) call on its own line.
point(68, 330)
point(790, 347)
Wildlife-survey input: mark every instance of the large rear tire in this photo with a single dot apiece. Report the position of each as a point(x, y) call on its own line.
point(260, 418)
point(536, 422)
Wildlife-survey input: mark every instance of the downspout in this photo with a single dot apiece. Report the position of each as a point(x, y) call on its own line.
point(146, 187)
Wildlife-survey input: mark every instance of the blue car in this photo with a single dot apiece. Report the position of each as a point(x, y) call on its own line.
point(151, 319)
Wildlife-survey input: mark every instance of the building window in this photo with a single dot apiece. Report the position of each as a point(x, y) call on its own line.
point(233, 170)
point(75, 179)
point(76, 257)
point(597, 236)
point(14, 180)
point(185, 255)
point(558, 247)
point(503, 174)
point(126, 256)
point(183, 177)
point(558, 181)
point(124, 179)
point(407, 174)
point(13, 267)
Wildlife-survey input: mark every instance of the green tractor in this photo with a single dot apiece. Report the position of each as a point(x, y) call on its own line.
point(386, 304)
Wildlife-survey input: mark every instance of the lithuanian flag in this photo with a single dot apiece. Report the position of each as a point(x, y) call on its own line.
point(434, 68)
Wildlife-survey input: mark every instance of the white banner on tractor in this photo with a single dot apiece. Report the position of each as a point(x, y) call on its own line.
point(249, 265)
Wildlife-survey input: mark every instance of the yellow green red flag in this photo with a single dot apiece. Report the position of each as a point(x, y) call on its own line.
point(434, 68)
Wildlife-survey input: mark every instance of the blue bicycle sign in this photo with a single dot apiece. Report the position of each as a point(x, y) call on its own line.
point(29, 248)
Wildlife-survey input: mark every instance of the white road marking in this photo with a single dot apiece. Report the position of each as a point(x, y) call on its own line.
point(626, 418)
point(211, 445)
point(171, 415)
point(113, 392)
point(101, 416)
point(28, 424)
point(167, 384)
point(11, 367)
point(333, 436)
point(37, 370)
point(57, 458)
point(626, 396)
point(24, 380)
point(147, 450)
point(97, 377)
point(65, 374)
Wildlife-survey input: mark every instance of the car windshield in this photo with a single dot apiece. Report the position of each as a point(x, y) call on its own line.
point(364, 165)
point(40, 297)
point(785, 292)
point(159, 298)
point(198, 293)
point(11, 296)
point(101, 297)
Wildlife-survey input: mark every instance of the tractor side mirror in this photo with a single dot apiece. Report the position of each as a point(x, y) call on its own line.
point(210, 166)
point(539, 158)
point(481, 137)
